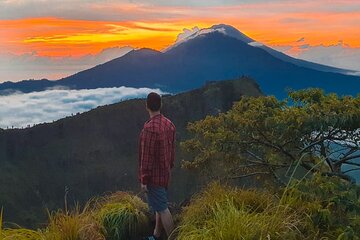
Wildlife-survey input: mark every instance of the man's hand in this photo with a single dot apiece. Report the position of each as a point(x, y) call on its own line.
point(144, 188)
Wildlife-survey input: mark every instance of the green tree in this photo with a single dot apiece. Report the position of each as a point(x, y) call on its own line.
point(316, 131)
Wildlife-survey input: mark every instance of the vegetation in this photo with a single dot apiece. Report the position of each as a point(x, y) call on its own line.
point(307, 144)
point(119, 216)
point(74, 225)
point(315, 208)
point(123, 216)
point(329, 205)
point(264, 136)
point(227, 213)
point(318, 207)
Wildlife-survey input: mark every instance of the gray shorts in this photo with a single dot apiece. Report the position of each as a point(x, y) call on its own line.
point(157, 198)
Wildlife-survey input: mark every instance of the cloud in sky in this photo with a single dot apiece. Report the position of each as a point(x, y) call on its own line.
point(142, 10)
point(338, 55)
point(77, 23)
point(152, 9)
point(186, 33)
point(21, 110)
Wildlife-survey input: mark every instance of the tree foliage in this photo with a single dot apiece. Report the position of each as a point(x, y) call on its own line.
point(316, 131)
point(330, 207)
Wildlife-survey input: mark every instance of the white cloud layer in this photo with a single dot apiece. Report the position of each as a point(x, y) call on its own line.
point(21, 110)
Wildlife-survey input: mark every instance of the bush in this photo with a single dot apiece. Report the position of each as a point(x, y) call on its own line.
point(75, 225)
point(123, 216)
point(114, 217)
point(230, 213)
point(18, 233)
point(21, 234)
point(330, 205)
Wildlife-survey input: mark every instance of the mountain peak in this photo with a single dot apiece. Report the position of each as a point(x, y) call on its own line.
point(231, 32)
point(225, 29)
point(143, 52)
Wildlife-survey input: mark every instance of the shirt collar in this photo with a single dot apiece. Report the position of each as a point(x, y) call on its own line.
point(157, 115)
point(153, 117)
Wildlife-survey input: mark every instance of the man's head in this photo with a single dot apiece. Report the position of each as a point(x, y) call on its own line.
point(153, 102)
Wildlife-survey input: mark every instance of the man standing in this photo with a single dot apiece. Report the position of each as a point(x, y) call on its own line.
point(156, 159)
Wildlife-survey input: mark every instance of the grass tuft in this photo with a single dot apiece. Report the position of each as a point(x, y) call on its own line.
point(123, 216)
point(119, 216)
point(74, 225)
point(229, 213)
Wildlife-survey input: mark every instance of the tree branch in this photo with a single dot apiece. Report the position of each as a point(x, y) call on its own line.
point(249, 175)
point(352, 163)
point(350, 170)
point(344, 160)
point(341, 175)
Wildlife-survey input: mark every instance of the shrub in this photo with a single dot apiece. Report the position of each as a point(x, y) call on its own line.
point(263, 136)
point(123, 216)
point(114, 217)
point(18, 233)
point(330, 205)
point(21, 234)
point(230, 213)
point(74, 225)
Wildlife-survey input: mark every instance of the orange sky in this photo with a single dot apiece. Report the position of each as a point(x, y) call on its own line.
point(273, 24)
point(56, 38)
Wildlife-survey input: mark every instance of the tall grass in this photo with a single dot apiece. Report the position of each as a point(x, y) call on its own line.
point(123, 216)
point(18, 233)
point(73, 225)
point(114, 217)
point(316, 208)
point(330, 206)
point(224, 213)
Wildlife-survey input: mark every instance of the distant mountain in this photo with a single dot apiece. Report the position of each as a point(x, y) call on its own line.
point(26, 86)
point(96, 151)
point(217, 53)
point(233, 32)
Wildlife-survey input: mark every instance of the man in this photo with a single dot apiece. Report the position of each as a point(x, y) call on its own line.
point(156, 159)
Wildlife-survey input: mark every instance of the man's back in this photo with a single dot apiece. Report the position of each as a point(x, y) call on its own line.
point(157, 151)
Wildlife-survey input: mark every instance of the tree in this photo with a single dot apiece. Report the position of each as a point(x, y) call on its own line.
point(317, 132)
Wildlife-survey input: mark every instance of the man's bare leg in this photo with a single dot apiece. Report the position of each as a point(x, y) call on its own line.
point(167, 221)
point(158, 226)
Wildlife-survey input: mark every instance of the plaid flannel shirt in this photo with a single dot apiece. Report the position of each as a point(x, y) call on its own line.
point(156, 151)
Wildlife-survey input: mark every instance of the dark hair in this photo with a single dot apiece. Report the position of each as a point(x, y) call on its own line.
point(153, 101)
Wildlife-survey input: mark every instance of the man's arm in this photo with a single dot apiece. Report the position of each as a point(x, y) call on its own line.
point(172, 159)
point(147, 154)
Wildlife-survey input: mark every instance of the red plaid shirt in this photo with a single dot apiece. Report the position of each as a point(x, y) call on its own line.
point(156, 151)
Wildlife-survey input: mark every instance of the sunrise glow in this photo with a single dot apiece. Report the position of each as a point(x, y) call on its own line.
point(74, 29)
point(267, 23)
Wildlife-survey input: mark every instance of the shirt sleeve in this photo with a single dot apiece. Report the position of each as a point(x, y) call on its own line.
point(147, 151)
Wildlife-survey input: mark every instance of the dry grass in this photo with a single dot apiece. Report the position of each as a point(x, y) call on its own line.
point(222, 213)
point(123, 216)
point(113, 217)
point(74, 225)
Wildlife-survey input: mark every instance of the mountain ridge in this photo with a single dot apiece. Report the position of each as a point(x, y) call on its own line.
point(217, 57)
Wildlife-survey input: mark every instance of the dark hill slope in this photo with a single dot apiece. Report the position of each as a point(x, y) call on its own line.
point(96, 151)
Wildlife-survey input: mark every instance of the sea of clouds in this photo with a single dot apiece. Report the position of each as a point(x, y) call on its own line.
point(26, 109)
